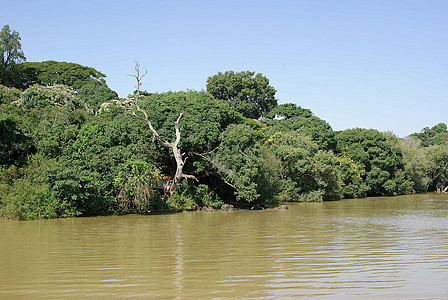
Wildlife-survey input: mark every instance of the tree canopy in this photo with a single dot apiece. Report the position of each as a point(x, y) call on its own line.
point(380, 158)
point(67, 152)
point(53, 72)
point(94, 94)
point(246, 92)
point(436, 135)
point(10, 53)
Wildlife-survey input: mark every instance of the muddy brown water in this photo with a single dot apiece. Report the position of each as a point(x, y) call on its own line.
point(358, 248)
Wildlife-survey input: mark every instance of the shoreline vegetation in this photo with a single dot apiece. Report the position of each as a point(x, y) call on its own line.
point(70, 147)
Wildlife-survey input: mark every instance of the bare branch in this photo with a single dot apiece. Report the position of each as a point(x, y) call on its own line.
point(216, 164)
point(242, 153)
point(134, 108)
point(231, 185)
point(207, 153)
point(441, 172)
point(187, 176)
point(176, 127)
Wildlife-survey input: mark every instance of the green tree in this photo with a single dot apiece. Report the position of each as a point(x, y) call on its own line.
point(153, 113)
point(246, 92)
point(436, 135)
point(380, 158)
point(289, 110)
point(245, 167)
point(10, 53)
point(8, 95)
point(38, 96)
point(415, 162)
point(94, 94)
point(296, 118)
point(437, 169)
point(202, 124)
point(137, 184)
point(52, 72)
point(29, 196)
point(15, 146)
point(352, 173)
point(308, 173)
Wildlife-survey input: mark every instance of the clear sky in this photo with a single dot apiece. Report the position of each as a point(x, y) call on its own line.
point(359, 63)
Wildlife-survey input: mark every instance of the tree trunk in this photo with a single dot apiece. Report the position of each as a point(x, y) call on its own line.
point(179, 170)
point(180, 162)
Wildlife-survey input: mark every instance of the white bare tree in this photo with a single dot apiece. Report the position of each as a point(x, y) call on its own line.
point(132, 108)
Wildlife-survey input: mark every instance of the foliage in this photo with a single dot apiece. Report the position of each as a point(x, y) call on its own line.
point(380, 157)
point(437, 135)
point(9, 95)
point(8, 174)
point(38, 96)
point(88, 153)
point(246, 92)
point(352, 176)
point(57, 159)
point(305, 168)
point(94, 94)
point(53, 72)
point(295, 118)
point(15, 146)
point(30, 196)
point(90, 164)
point(189, 197)
point(415, 162)
point(313, 196)
point(437, 169)
point(248, 169)
point(10, 54)
point(29, 200)
point(204, 120)
point(137, 184)
point(289, 110)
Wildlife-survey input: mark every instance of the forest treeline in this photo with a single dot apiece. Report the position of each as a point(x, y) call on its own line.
point(70, 147)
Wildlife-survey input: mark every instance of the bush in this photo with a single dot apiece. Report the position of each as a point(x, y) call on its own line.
point(188, 197)
point(8, 95)
point(38, 96)
point(313, 196)
point(137, 185)
point(31, 196)
point(26, 200)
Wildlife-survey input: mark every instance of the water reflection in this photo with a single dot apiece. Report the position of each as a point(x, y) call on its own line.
point(372, 248)
point(179, 258)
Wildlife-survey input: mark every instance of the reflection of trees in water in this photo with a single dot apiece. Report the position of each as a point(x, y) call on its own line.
point(179, 258)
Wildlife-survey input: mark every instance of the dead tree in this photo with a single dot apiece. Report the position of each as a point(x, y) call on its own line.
point(132, 108)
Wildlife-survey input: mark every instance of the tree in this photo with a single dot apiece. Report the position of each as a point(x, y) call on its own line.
point(94, 94)
point(415, 162)
point(289, 110)
point(379, 156)
point(8, 95)
point(293, 117)
point(56, 95)
point(243, 165)
point(437, 169)
point(14, 144)
point(437, 135)
point(204, 121)
point(11, 52)
point(308, 174)
point(132, 108)
point(53, 72)
point(246, 92)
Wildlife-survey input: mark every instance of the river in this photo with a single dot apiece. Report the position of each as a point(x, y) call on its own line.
point(383, 248)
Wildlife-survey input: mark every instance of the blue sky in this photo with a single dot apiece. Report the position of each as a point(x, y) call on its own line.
point(370, 64)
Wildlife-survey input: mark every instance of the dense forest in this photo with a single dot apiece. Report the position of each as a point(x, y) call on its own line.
point(69, 146)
